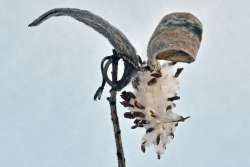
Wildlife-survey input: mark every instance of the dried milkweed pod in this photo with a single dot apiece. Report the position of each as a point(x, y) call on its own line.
point(177, 38)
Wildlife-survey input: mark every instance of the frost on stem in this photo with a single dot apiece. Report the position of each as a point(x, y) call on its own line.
point(151, 105)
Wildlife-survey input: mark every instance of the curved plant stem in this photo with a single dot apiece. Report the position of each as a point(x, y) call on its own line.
point(114, 117)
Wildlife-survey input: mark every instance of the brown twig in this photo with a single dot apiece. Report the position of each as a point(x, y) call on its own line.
point(114, 117)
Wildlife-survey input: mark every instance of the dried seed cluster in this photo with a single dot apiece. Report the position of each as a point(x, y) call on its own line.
point(151, 105)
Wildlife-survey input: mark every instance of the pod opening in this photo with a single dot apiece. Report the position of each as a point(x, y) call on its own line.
point(175, 56)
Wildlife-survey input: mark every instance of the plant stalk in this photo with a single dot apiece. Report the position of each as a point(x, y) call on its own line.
point(114, 116)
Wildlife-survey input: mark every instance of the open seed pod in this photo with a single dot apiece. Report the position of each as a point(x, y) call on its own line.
point(177, 38)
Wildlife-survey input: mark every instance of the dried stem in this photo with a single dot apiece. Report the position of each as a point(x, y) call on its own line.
point(114, 117)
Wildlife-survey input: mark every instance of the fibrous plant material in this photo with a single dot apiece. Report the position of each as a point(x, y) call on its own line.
point(155, 103)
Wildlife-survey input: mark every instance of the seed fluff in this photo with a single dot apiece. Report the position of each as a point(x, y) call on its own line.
point(151, 105)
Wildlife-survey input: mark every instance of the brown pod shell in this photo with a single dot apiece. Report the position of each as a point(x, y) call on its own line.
point(177, 38)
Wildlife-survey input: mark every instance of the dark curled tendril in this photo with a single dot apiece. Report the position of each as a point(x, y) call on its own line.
point(100, 89)
point(129, 70)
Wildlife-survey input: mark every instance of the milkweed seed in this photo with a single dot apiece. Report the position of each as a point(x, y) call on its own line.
point(149, 130)
point(158, 138)
point(169, 107)
point(152, 114)
point(145, 122)
point(152, 81)
point(126, 104)
point(139, 114)
point(172, 134)
point(136, 121)
point(156, 75)
point(172, 63)
point(174, 98)
point(129, 115)
point(143, 147)
point(178, 72)
point(139, 105)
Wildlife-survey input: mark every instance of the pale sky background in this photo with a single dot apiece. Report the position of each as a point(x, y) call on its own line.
point(49, 74)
